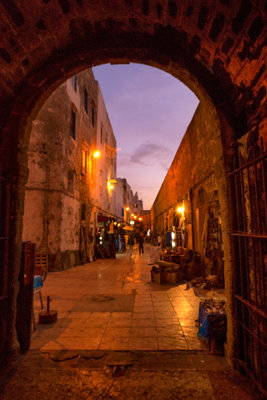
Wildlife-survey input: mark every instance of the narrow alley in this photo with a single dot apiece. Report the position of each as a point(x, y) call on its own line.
point(119, 336)
point(112, 305)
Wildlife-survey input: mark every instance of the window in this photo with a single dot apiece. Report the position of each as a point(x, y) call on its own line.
point(92, 168)
point(84, 161)
point(101, 134)
point(85, 101)
point(83, 212)
point(201, 196)
point(93, 115)
point(73, 124)
point(71, 181)
point(101, 182)
point(74, 82)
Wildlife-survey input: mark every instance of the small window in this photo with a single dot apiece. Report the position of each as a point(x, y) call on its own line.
point(74, 82)
point(73, 124)
point(71, 181)
point(92, 168)
point(101, 134)
point(93, 115)
point(85, 101)
point(101, 182)
point(83, 212)
point(201, 196)
point(84, 162)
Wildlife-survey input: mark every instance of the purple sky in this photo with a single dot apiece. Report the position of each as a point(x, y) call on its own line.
point(149, 111)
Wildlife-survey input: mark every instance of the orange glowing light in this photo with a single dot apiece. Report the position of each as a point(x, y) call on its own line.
point(127, 208)
point(180, 210)
point(96, 154)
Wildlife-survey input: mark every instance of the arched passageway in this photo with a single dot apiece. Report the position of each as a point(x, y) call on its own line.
point(216, 49)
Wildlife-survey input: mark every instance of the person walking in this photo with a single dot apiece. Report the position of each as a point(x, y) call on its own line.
point(131, 243)
point(141, 243)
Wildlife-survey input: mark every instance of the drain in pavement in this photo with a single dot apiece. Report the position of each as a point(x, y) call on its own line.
point(102, 298)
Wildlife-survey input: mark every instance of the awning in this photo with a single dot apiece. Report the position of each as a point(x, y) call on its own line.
point(128, 228)
point(104, 218)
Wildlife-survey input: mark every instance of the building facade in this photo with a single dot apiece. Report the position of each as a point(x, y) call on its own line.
point(72, 157)
point(188, 202)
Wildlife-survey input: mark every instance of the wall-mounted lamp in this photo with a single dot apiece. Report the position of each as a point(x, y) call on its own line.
point(96, 154)
point(181, 210)
point(110, 186)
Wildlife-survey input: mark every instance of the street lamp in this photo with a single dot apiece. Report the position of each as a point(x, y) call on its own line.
point(96, 154)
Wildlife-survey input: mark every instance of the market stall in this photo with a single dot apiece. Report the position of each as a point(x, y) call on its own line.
point(213, 324)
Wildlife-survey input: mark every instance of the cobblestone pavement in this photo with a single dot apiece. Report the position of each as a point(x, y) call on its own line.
point(119, 336)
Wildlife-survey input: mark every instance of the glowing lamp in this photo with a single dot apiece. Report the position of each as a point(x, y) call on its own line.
point(96, 154)
point(110, 186)
point(180, 210)
point(127, 208)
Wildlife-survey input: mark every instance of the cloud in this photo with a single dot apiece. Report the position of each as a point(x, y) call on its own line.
point(149, 153)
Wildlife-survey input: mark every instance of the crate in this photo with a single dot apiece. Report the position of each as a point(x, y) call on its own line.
point(155, 276)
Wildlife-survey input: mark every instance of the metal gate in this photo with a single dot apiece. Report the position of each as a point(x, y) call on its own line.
point(4, 234)
point(248, 193)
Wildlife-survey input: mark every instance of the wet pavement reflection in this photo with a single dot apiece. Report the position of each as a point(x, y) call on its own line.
point(111, 304)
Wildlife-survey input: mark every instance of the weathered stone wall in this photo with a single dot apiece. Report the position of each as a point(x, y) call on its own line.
point(53, 206)
point(106, 164)
point(199, 163)
point(192, 170)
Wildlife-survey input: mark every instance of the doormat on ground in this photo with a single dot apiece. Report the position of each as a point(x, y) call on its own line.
point(105, 303)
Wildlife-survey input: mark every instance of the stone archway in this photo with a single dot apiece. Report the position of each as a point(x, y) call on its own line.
point(216, 50)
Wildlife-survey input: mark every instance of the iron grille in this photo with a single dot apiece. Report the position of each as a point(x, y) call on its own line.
point(248, 192)
point(4, 234)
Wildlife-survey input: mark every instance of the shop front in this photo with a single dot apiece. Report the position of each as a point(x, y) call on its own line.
point(104, 237)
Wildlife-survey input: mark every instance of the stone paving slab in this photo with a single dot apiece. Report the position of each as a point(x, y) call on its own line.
point(98, 309)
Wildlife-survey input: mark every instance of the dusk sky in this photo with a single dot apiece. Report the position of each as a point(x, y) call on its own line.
point(149, 111)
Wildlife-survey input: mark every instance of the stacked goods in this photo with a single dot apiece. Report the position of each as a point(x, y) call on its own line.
point(166, 272)
point(213, 305)
point(206, 283)
point(213, 324)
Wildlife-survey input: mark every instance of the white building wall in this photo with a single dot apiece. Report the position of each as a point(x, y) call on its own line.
point(106, 163)
point(120, 209)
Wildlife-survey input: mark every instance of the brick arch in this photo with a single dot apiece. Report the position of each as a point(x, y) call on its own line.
point(216, 48)
point(216, 44)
